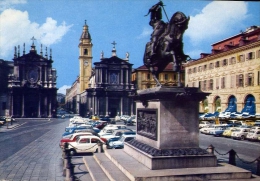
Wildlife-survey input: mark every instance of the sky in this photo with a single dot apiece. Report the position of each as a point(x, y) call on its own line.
point(58, 24)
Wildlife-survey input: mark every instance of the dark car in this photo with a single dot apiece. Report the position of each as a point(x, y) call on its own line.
point(101, 124)
point(108, 119)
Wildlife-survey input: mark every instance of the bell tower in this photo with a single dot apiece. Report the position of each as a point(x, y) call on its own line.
point(85, 58)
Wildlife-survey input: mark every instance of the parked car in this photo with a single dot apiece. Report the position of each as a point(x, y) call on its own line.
point(218, 131)
point(101, 124)
point(253, 135)
point(71, 130)
point(93, 117)
point(240, 133)
point(105, 131)
point(207, 129)
point(117, 118)
point(130, 121)
point(84, 144)
point(115, 133)
point(120, 143)
point(72, 138)
point(227, 133)
point(118, 126)
point(111, 140)
point(203, 124)
point(124, 117)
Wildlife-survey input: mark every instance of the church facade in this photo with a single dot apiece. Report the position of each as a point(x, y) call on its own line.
point(110, 88)
point(32, 88)
point(102, 88)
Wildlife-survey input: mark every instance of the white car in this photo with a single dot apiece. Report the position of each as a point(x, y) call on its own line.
point(253, 135)
point(85, 144)
point(240, 133)
point(209, 128)
point(121, 141)
point(77, 119)
point(203, 124)
point(106, 131)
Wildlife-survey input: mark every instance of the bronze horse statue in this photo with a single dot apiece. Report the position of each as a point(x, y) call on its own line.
point(166, 42)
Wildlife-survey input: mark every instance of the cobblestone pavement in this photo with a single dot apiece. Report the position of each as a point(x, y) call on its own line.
point(40, 160)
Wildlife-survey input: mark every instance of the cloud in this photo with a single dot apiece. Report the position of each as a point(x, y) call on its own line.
point(4, 4)
point(216, 19)
point(16, 28)
point(146, 32)
point(62, 89)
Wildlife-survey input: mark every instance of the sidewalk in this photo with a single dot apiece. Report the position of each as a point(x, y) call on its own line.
point(41, 160)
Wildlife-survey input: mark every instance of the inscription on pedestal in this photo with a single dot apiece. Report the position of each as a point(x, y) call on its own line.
point(147, 121)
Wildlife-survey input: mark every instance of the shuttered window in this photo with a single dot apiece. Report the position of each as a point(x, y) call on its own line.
point(211, 84)
point(205, 67)
point(223, 83)
point(250, 56)
point(211, 66)
point(240, 80)
point(232, 60)
point(217, 83)
point(217, 64)
point(224, 62)
point(249, 79)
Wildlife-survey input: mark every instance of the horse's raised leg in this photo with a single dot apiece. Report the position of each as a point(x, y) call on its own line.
point(155, 77)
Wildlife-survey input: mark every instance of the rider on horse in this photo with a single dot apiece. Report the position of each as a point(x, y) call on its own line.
point(157, 24)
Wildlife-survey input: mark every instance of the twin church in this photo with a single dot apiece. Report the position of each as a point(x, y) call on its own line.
point(105, 88)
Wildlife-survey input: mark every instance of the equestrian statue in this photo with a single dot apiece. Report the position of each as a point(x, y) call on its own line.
point(166, 42)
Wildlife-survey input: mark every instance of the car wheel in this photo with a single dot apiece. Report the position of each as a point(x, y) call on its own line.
point(242, 137)
point(72, 152)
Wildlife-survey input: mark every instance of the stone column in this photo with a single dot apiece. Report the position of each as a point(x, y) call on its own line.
point(23, 106)
point(39, 106)
point(106, 105)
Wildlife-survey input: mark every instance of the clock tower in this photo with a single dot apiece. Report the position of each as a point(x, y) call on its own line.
point(85, 58)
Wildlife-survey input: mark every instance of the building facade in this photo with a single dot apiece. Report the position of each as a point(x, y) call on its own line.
point(110, 88)
point(143, 79)
point(231, 73)
point(32, 88)
point(6, 68)
point(73, 97)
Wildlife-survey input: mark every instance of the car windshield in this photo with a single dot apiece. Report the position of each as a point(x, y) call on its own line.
point(122, 139)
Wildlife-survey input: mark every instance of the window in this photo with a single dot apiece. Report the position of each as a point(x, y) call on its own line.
point(200, 69)
point(223, 83)
point(194, 69)
point(204, 84)
point(84, 140)
point(240, 80)
point(205, 67)
point(189, 71)
point(232, 60)
point(211, 66)
point(211, 84)
point(225, 62)
point(241, 58)
point(148, 76)
point(250, 56)
point(85, 51)
point(258, 54)
point(94, 140)
point(166, 77)
point(217, 64)
point(174, 76)
point(249, 79)
point(258, 78)
point(217, 83)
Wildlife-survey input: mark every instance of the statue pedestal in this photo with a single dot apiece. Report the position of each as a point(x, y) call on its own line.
point(167, 129)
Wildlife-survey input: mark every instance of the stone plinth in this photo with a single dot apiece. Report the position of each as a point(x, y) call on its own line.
point(167, 129)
